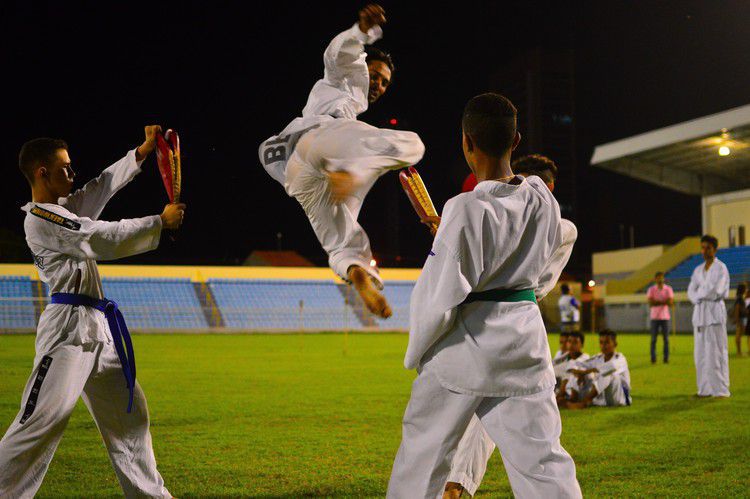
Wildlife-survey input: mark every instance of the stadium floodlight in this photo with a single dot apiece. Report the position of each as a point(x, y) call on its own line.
point(724, 151)
point(592, 283)
point(373, 263)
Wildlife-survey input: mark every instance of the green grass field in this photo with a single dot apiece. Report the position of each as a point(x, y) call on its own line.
point(319, 415)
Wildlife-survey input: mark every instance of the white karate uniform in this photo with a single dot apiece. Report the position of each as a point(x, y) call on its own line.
point(491, 359)
point(612, 381)
point(562, 365)
point(328, 138)
point(75, 356)
point(707, 292)
point(476, 446)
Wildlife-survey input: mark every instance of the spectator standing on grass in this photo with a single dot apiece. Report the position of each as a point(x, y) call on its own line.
point(660, 299)
point(570, 310)
point(709, 287)
point(739, 316)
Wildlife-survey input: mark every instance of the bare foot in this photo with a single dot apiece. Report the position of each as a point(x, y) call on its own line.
point(453, 490)
point(374, 301)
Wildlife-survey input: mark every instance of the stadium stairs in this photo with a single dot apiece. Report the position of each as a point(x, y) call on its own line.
point(642, 277)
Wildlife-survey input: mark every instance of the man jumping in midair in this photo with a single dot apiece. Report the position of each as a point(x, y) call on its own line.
point(328, 161)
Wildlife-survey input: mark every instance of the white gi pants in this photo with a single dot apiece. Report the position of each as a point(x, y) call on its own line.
point(525, 428)
point(61, 375)
point(711, 360)
point(366, 152)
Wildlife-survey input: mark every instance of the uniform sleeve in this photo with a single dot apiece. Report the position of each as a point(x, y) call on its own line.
point(558, 260)
point(694, 291)
point(449, 275)
point(90, 200)
point(84, 238)
point(345, 55)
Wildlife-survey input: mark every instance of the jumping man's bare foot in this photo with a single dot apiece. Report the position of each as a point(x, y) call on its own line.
point(374, 301)
point(453, 490)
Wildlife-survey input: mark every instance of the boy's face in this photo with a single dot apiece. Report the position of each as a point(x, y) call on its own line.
point(564, 342)
point(380, 79)
point(659, 279)
point(708, 251)
point(574, 344)
point(57, 174)
point(607, 344)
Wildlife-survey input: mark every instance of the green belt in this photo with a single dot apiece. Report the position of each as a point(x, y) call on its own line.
point(502, 295)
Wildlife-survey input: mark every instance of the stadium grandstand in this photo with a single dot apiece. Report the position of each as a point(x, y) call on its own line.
point(707, 157)
point(218, 299)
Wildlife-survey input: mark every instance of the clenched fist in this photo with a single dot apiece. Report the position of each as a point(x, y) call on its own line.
point(149, 143)
point(370, 16)
point(171, 217)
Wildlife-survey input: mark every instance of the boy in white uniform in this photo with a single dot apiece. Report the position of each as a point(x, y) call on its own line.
point(603, 380)
point(570, 314)
point(328, 161)
point(82, 338)
point(709, 287)
point(477, 336)
point(475, 448)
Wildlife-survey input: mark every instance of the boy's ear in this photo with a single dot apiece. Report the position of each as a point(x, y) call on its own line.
point(468, 142)
point(516, 141)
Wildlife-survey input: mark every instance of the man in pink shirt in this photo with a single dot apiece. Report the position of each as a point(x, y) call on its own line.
point(660, 298)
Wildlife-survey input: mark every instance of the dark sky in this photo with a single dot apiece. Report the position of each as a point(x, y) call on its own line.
point(227, 75)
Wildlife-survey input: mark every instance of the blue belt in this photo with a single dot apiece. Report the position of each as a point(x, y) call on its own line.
point(117, 327)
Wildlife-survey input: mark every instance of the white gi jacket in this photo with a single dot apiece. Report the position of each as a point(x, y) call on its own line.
point(707, 292)
point(562, 363)
point(616, 366)
point(341, 93)
point(66, 239)
point(499, 236)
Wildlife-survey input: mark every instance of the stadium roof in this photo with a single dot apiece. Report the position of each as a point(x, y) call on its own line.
point(687, 157)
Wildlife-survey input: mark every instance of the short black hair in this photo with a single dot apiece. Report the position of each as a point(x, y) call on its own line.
point(376, 54)
point(658, 273)
point(579, 335)
point(490, 120)
point(608, 332)
point(536, 164)
point(708, 238)
point(565, 289)
point(38, 151)
point(565, 333)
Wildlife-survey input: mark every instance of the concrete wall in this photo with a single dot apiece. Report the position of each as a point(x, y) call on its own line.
point(630, 313)
point(722, 211)
point(622, 262)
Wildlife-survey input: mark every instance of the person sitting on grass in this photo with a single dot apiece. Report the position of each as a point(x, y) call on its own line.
point(563, 346)
point(603, 380)
point(572, 358)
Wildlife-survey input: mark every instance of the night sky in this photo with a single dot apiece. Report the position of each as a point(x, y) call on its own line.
point(227, 75)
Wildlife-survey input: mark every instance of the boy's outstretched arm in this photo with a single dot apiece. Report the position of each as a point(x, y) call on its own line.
point(82, 237)
point(90, 200)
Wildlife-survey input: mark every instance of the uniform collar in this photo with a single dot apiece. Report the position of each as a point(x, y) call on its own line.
point(501, 189)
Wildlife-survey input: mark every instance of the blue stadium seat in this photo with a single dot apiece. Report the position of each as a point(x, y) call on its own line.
point(156, 303)
point(275, 304)
point(398, 294)
point(737, 260)
point(17, 303)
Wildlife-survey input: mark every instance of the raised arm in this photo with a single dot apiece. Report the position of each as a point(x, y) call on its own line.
point(345, 55)
point(82, 237)
point(90, 200)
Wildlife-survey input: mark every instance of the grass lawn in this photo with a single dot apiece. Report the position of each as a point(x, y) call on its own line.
point(319, 415)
